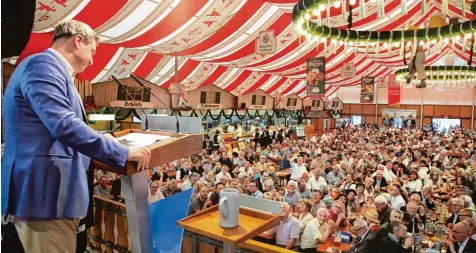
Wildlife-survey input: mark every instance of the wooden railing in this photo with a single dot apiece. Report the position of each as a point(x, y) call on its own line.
point(110, 230)
point(110, 233)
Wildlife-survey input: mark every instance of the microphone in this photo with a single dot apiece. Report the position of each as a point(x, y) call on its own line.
point(130, 96)
point(166, 106)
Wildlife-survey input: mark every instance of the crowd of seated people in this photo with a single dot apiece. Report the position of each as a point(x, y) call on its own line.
point(380, 184)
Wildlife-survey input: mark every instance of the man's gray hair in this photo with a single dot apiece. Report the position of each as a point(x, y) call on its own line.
point(459, 201)
point(380, 199)
point(361, 223)
point(322, 209)
point(70, 28)
point(467, 200)
point(285, 205)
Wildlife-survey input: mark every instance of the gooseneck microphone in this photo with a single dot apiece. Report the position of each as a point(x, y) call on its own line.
point(132, 98)
point(150, 90)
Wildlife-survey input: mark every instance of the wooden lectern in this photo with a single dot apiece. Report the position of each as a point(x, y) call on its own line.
point(135, 189)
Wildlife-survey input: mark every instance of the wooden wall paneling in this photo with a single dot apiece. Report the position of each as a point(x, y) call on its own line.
point(227, 100)
point(440, 111)
point(379, 119)
point(426, 121)
point(356, 109)
point(414, 107)
point(7, 72)
point(298, 103)
point(370, 119)
point(346, 109)
point(465, 111)
point(368, 109)
point(247, 99)
point(105, 92)
point(417, 121)
point(428, 110)
point(466, 123)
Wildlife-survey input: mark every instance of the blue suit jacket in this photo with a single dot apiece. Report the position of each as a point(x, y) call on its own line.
point(48, 144)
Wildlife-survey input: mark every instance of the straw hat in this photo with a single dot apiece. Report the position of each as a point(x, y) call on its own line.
point(370, 214)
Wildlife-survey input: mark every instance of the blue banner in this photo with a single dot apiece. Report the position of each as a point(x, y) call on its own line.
point(164, 214)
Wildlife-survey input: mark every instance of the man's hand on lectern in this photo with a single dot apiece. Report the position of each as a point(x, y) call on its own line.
point(141, 155)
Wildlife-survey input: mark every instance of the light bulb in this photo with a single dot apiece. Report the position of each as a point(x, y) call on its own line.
point(433, 41)
point(352, 2)
point(315, 12)
point(322, 7)
point(323, 40)
point(468, 36)
point(422, 43)
point(351, 43)
point(446, 40)
point(396, 44)
point(385, 45)
point(409, 43)
point(372, 44)
point(341, 42)
point(362, 43)
point(458, 37)
point(336, 4)
point(307, 16)
point(333, 41)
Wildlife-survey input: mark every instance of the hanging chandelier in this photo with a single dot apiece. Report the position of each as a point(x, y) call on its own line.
point(308, 22)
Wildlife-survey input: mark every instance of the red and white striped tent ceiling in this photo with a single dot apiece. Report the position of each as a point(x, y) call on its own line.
point(215, 40)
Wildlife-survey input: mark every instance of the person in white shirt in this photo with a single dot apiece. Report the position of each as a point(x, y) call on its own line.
point(396, 199)
point(414, 184)
point(318, 230)
point(189, 182)
point(297, 169)
point(223, 173)
point(316, 181)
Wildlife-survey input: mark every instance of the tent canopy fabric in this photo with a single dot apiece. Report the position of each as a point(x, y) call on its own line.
point(214, 41)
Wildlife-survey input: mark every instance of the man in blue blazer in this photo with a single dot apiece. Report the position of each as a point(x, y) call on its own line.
point(48, 144)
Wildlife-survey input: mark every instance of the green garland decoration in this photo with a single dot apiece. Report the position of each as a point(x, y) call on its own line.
point(239, 116)
point(305, 7)
point(136, 115)
point(125, 116)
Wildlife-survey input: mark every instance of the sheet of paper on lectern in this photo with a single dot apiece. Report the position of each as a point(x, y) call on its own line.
point(140, 139)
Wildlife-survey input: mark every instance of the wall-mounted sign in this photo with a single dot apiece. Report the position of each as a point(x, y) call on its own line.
point(382, 82)
point(348, 70)
point(257, 107)
point(266, 42)
point(131, 104)
point(367, 90)
point(300, 131)
point(393, 90)
point(209, 106)
point(174, 88)
point(316, 77)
